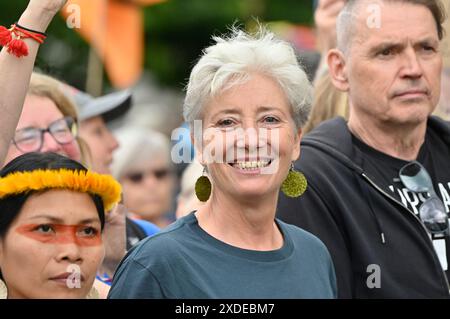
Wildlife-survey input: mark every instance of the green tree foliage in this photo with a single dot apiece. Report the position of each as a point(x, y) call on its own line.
point(175, 33)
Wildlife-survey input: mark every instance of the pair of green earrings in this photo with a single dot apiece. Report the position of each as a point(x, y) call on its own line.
point(293, 186)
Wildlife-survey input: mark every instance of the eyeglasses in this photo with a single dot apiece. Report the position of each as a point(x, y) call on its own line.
point(31, 139)
point(432, 212)
point(138, 177)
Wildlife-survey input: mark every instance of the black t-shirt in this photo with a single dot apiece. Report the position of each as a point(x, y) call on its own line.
point(434, 155)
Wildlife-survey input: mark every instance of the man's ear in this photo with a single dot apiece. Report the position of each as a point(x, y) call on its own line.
point(296, 150)
point(337, 68)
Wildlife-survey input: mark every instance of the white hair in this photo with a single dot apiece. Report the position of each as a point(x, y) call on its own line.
point(344, 23)
point(232, 59)
point(138, 145)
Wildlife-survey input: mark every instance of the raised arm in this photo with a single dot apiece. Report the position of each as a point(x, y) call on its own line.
point(15, 72)
point(325, 20)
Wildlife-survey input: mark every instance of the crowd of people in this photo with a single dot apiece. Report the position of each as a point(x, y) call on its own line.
point(338, 188)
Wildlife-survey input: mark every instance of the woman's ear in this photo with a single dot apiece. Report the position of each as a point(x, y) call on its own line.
point(198, 149)
point(296, 150)
point(338, 69)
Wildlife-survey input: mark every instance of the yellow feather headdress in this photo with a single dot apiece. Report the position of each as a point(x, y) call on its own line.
point(104, 186)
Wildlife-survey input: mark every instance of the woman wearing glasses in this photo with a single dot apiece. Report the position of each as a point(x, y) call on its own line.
point(48, 122)
point(16, 71)
point(143, 166)
point(46, 118)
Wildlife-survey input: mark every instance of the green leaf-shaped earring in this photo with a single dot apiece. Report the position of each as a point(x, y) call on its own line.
point(203, 187)
point(295, 183)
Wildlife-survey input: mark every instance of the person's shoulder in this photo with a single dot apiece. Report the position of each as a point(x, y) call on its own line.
point(149, 228)
point(322, 144)
point(303, 239)
point(298, 233)
point(169, 241)
point(440, 126)
point(162, 241)
point(332, 132)
point(434, 119)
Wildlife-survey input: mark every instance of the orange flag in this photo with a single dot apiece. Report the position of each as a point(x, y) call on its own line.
point(115, 28)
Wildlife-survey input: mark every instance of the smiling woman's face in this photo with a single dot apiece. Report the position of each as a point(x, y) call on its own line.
point(53, 248)
point(252, 127)
point(40, 112)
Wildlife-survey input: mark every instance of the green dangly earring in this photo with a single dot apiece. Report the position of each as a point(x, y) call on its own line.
point(295, 183)
point(203, 187)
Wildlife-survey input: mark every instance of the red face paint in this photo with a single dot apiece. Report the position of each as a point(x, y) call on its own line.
point(61, 234)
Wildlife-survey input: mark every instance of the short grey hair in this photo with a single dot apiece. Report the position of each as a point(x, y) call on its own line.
point(345, 23)
point(232, 59)
point(138, 145)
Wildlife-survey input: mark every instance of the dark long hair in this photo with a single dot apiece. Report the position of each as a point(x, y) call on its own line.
point(11, 206)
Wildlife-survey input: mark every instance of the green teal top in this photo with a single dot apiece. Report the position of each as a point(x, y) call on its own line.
point(184, 261)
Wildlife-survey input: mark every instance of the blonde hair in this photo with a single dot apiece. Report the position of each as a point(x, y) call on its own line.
point(328, 102)
point(45, 86)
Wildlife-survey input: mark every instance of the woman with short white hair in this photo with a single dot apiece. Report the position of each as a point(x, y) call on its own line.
point(252, 98)
point(143, 166)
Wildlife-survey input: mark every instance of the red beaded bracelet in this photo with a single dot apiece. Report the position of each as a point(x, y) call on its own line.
point(12, 39)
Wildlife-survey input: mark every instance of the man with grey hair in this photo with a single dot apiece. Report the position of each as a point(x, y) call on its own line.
point(379, 185)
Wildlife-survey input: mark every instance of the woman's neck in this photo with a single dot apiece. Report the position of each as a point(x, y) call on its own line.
point(247, 224)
